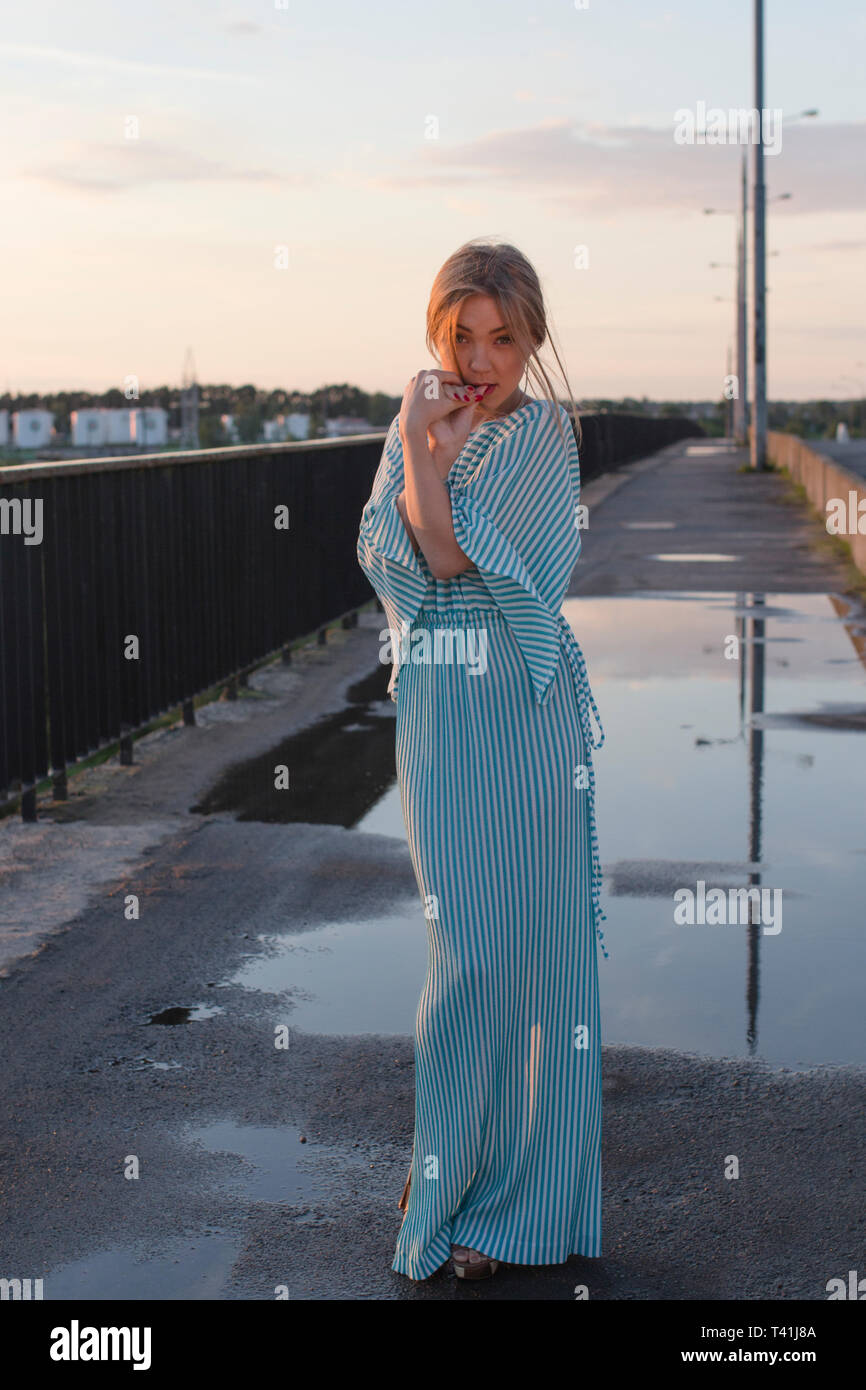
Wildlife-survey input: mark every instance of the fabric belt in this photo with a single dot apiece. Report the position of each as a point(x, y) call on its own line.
point(585, 703)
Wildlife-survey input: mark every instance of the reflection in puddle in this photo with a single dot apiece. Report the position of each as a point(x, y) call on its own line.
point(706, 774)
point(717, 447)
point(186, 1269)
point(169, 1018)
point(348, 977)
point(850, 717)
point(748, 796)
point(338, 767)
point(280, 1164)
point(705, 557)
point(386, 816)
point(277, 1167)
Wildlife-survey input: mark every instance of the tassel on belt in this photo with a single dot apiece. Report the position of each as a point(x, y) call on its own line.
point(585, 703)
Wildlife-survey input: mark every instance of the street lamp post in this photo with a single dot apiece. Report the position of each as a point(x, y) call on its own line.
point(758, 451)
point(741, 404)
point(741, 400)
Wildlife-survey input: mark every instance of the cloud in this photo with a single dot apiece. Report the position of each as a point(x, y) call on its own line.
point(243, 26)
point(830, 246)
point(107, 62)
point(592, 167)
point(115, 168)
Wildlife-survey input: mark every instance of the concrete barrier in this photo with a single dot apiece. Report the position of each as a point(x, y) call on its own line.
point(825, 481)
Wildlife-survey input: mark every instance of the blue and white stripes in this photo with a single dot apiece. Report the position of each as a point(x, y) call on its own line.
point(503, 842)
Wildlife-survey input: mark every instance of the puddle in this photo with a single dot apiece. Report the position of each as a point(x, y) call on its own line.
point(278, 1166)
point(359, 737)
point(386, 816)
point(195, 1268)
point(695, 450)
point(705, 557)
point(740, 773)
point(744, 772)
point(170, 1017)
point(321, 969)
point(842, 717)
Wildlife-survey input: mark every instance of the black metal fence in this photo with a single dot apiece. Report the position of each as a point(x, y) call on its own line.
point(609, 441)
point(151, 579)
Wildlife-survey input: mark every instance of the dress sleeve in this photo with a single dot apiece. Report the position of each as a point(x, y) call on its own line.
point(515, 516)
point(385, 551)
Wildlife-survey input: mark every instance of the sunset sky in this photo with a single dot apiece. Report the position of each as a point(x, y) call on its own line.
point(306, 127)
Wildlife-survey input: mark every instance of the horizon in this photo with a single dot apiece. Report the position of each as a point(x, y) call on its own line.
point(215, 387)
point(161, 198)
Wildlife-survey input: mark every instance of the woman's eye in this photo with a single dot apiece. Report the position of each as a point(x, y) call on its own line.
point(503, 338)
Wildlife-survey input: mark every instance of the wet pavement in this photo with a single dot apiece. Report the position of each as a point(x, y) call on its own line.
point(721, 766)
point(704, 500)
point(214, 1100)
point(336, 767)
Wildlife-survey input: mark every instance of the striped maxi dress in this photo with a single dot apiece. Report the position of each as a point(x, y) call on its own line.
point(494, 764)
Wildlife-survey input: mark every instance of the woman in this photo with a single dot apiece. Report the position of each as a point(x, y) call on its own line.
point(469, 538)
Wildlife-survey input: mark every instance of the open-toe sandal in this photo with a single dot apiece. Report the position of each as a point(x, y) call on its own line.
point(465, 1268)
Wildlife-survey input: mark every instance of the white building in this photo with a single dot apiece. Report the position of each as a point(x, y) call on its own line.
point(4, 428)
point(88, 427)
point(282, 427)
point(276, 430)
point(230, 428)
point(32, 429)
point(118, 425)
point(299, 425)
point(347, 424)
point(96, 426)
point(149, 425)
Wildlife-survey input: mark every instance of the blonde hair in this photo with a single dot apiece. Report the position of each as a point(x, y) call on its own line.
point(485, 266)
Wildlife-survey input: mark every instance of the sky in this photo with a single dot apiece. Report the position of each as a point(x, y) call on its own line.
point(157, 156)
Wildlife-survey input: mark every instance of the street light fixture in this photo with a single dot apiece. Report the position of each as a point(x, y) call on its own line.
point(741, 402)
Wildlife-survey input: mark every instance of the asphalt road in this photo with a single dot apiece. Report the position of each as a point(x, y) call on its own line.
point(851, 453)
point(91, 1087)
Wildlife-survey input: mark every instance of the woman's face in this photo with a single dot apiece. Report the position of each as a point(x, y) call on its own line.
point(486, 353)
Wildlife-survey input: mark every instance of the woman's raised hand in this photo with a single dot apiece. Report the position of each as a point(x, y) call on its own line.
point(429, 404)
